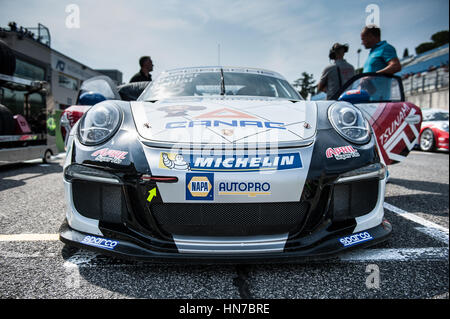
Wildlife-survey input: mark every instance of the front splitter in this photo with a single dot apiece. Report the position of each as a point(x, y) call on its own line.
point(326, 248)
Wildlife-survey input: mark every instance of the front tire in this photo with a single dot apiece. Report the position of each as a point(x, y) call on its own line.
point(47, 157)
point(427, 142)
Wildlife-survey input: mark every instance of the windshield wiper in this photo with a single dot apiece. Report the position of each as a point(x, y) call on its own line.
point(222, 82)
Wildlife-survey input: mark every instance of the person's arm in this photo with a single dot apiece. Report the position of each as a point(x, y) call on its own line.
point(393, 66)
point(322, 85)
point(393, 63)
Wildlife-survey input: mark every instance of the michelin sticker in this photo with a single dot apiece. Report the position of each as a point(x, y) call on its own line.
point(355, 239)
point(199, 186)
point(232, 163)
point(100, 242)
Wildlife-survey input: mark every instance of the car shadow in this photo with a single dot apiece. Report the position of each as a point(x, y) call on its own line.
point(9, 173)
point(136, 279)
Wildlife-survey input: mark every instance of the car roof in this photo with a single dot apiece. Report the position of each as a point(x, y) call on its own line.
point(434, 111)
point(217, 68)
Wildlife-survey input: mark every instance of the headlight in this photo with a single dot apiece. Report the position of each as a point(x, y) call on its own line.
point(99, 123)
point(349, 122)
point(444, 126)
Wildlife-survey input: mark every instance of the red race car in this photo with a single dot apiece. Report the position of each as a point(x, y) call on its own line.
point(434, 130)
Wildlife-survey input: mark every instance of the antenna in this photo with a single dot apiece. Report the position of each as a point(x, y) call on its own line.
point(218, 54)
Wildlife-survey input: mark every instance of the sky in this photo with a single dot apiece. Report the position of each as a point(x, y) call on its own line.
point(286, 36)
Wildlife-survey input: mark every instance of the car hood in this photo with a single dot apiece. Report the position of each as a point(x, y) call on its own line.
point(226, 121)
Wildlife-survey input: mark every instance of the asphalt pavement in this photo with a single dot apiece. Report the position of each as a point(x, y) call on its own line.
point(413, 263)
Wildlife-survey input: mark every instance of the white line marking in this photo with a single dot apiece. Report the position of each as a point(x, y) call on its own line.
point(29, 237)
point(414, 218)
point(435, 233)
point(80, 258)
point(397, 254)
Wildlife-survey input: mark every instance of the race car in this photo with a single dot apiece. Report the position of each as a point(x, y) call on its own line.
point(227, 164)
point(434, 131)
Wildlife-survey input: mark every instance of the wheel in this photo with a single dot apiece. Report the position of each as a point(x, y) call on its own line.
point(47, 157)
point(427, 143)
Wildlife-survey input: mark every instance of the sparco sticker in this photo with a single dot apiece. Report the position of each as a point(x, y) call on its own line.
point(355, 239)
point(100, 242)
point(107, 155)
point(342, 153)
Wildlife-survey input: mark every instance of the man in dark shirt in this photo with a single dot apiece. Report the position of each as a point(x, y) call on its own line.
point(335, 75)
point(146, 67)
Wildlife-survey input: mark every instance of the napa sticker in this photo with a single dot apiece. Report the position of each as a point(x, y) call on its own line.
point(100, 242)
point(234, 163)
point(355, 239)
point(199, 186)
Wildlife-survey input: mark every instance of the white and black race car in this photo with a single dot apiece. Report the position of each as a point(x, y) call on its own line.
point(223, 164)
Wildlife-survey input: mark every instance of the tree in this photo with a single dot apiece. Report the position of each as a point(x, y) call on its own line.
point(439, 38)
point(424, 47)
point(305, 84)
point(406, 53)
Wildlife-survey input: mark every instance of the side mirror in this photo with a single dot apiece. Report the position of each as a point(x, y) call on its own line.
point(355, 96)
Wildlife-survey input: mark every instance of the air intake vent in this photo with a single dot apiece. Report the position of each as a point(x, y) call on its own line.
point(98, 201)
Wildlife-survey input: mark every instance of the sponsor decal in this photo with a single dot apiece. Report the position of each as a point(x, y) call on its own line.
point(355, 239)
point(108, 155)
point(173, 161)
point(225, 113)
point(342, 153)
point(232, 163)
point(395, 124)
point(228, 123)
point(352, 92)
point(180, 110)
point(199, 186)
point(100, 242)
point(251, 189)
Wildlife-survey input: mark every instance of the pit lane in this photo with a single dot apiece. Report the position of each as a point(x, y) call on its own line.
point(413, 263)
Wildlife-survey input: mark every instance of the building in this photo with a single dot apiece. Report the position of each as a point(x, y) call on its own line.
point(36, 60)
point(115, 75)
point(425, 78)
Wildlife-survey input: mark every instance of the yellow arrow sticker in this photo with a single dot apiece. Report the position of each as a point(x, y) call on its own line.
point(151, 194)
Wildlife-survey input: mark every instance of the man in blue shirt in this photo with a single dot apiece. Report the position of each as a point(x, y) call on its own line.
point(382, 57)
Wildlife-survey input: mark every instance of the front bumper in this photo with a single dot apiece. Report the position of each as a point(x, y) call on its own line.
point(321, 245)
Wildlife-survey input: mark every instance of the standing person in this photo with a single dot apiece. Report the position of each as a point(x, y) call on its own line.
point(146, 65)
point(382, 57)
point(335, 75)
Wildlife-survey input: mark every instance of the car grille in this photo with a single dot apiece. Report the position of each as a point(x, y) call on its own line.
point(230, 219)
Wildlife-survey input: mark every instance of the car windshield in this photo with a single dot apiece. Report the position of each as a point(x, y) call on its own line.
point(217, 81)
point(435, 116)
